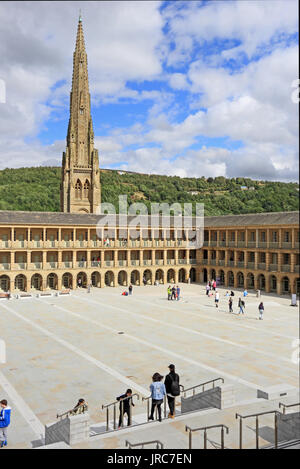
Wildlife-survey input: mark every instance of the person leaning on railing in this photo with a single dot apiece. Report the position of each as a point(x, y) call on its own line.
point(80, 407)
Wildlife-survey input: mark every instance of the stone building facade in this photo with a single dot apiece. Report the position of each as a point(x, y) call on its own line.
point(43, 251)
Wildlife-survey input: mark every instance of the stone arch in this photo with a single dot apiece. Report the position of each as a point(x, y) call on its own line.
point(285, 285)
point(182, 275)
point(230, 278)
point(52, 281)
point(86, 189)
point(4, 283)
point(109, 278)
point(78, 190)
point(67, 280)
point(122, 278)
point(213, 274)
point(83, 278)
point(297, 286)
point(240, 280)
point(261, 282)
point(135, 277)
point(250, 281)
point(221, 277)
point(147, 275)
point(96, 279)
point(36, 282)
point(171, 276)
point(273, 283)
point(159, 276)
point(193, 275)
point(20, 282)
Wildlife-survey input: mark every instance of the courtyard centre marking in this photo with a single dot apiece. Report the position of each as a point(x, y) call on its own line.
point(22, 407)
point(240, 324)
point(82, 354)
point(191, 331)
point(150, 345)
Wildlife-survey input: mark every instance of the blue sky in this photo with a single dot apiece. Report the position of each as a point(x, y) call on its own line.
point(188, 88)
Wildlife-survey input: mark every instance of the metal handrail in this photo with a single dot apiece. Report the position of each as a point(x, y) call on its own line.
point(191, 430)
point(285, 406)
point(148, 406)
point(120, 401)
point(193, 388)
point(241, 417)
point(159, 444)
point(83, 408)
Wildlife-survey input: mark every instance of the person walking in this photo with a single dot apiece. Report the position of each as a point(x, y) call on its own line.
point(169, 291)
point(158, 391)
point(207, 289)
point(4, 421)
point(125, 407)
point(230, 305)
point(177, 293)
point(130, 288)
point(241, 305)
point(217, 298)
point(172, 389)
point(261, 309)
point(144, 281)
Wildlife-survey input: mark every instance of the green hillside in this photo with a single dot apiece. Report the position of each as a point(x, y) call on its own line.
point(37, 189)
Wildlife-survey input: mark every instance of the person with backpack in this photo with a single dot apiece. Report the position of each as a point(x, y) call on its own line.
point(130, 288)
point(158, 392)
point(241, 305)
point(172, 389)
point(230, 305)
point(173, 297)
point(4, 421)
point(261, 310)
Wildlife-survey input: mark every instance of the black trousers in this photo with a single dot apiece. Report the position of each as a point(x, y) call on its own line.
point(171, 404)
point(156, 403)
point(128, 417)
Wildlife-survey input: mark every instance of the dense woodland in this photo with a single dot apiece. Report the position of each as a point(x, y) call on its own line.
point(37, 189)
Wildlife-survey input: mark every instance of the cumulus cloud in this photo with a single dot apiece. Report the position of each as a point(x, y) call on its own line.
point(182, 51)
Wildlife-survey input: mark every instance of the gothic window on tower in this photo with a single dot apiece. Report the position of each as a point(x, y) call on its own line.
point(86, 189)
point(78, 190)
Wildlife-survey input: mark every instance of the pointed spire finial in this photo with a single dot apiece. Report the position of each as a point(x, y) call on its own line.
point(80, 18)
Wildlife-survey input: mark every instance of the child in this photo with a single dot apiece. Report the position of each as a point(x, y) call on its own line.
point(4, 421)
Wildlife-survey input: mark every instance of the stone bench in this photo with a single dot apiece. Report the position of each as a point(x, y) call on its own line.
point(5, 296)
point(23, 295)
point(44, 294)
point(64, 292)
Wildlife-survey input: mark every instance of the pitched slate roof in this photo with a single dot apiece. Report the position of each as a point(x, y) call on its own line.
point(13, 218)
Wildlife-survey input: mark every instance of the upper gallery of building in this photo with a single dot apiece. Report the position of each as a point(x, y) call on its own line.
point(80, 184)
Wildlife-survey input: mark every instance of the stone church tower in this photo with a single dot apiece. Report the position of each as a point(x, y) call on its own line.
point(80, 186)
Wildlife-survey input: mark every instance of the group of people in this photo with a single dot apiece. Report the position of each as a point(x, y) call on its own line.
point(211, 286)
point(159, 389)
point(173, 292)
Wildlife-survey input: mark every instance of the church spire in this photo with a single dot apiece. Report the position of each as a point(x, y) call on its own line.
point(80, 156)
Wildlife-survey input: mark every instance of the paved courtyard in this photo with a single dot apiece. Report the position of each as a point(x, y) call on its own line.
point(97, 345)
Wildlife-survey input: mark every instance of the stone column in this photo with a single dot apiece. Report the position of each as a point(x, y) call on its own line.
point(141, 257)
point(165, 257)
point(153, 257)
point(256, 238)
